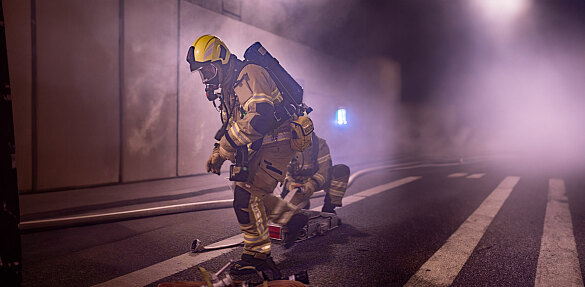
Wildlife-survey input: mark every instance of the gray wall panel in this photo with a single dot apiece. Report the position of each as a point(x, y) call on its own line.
point(150, 89)
point(78, 111)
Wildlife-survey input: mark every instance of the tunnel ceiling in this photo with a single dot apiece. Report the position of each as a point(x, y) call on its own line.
point(424, 36)
point(336, 27)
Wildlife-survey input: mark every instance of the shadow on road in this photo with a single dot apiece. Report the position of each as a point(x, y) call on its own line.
point(319, 250)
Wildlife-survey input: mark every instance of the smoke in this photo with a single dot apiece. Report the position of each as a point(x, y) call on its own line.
point(519, 92)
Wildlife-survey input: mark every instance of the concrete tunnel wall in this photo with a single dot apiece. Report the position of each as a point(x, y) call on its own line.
point(102, 93)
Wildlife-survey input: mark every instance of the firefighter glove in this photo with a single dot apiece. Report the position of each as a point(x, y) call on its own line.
point(215, 161)
point(309, 188)
point(289, 184)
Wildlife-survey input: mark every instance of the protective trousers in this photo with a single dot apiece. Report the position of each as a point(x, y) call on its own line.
point(335, 190)
point(254, 201)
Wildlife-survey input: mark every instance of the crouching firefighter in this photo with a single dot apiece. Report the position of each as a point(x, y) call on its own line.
point(256, 137)
point(312, 170)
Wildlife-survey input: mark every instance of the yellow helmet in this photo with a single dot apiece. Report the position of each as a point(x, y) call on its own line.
point(207, 49)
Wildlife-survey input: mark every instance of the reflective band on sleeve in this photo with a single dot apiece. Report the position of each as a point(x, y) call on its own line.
point(236, 134)
point(319, 178)
point(257, 98)
point(276, 96)
point(324, 158)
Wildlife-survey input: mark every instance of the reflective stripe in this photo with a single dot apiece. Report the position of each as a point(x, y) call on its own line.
point(333, 192)
point(336, 188)
point(279, 137)
point(306, 167)
point(336, 196)
point(209, 51)
point(336, 200)
point(251, 240)
point(236, 133)
point(258, 98)
point(264, 248)
point(339, 184)
point(258, 215)
point(324, 158)
point(276, 96)
point(337, 191)
point(319, 178)
point(271, 97)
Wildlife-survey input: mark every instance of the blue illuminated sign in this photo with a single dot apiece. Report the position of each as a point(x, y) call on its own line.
point(341, 116)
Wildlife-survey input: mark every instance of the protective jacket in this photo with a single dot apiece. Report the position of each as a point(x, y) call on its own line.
point(254, 119)
point(315, 164)
point(312, 164)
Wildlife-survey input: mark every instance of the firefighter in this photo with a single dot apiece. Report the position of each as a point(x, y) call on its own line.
point(249, 99)
point(312, 170)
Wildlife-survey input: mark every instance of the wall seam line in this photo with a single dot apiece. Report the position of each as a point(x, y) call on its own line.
point(178, 69)
point(34, 95)
point(121, 88)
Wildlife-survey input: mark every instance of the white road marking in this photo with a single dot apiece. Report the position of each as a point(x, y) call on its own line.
point(373, 191)
point(558, 264)
point(442, 268)
point(476, 175)
point(458, 174)
point(168, 267)
point(188, 260)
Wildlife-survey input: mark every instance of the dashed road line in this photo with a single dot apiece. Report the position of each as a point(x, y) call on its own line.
point(373, 191)
point(458, 174)
point(558, 264)
point(476, 175)
point(442, 268)
point(188, 260)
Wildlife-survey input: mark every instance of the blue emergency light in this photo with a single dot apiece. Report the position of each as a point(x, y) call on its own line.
point(341, 117)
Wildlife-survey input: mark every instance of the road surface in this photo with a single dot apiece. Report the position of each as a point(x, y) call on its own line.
point(488, 223)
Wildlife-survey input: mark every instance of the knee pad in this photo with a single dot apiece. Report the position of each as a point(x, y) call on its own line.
point(340, 171)
point(241, 205)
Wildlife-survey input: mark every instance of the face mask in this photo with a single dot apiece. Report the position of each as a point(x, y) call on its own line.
point(208, 74)
point(209, 77)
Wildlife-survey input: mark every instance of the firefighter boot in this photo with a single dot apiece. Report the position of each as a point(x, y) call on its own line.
point(327, 205)
point(294, 227)
point(330, 208)
point(251, 264)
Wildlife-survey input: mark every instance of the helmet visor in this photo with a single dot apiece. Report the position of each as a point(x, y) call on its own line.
point(207, 72)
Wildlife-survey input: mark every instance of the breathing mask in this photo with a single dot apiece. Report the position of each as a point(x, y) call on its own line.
point(210, 77)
